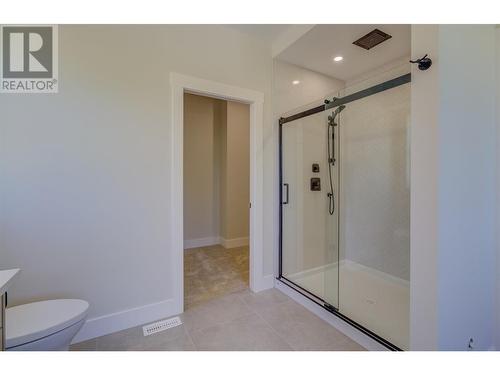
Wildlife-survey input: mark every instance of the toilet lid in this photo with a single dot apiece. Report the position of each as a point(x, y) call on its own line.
point(33, 321)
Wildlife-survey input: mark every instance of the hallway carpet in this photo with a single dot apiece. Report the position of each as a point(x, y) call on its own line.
point(213, 271)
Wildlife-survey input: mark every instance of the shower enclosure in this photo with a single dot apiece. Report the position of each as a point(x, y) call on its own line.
point(345, 207)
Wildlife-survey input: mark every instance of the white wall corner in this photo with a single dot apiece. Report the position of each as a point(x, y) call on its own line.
point(441, 175)
point(288, 37)
point(266, 282)
point(423, 192)
point(497, 120)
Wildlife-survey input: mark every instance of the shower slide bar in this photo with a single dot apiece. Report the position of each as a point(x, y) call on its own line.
point(401, 80)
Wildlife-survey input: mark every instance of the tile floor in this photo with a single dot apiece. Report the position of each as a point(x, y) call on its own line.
point(221, 313)
point(244, 320)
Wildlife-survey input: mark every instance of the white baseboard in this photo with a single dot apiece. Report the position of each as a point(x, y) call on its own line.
point(265, 282)
point(210, 241)
point(348, 330)
point(106, 324)
point(234, 242)
point(200, 242)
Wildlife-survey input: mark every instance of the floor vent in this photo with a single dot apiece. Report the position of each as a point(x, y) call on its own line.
point(161, 325)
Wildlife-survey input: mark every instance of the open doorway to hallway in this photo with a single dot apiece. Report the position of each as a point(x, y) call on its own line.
point(216, 198)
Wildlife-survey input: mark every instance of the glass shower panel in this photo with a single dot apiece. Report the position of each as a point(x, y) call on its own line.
point(375, 213)
point(309, 232)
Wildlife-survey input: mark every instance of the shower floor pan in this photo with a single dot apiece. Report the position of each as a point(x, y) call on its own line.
point(374, 299)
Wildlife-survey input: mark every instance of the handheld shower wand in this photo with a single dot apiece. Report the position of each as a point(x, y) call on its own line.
point(331, 155)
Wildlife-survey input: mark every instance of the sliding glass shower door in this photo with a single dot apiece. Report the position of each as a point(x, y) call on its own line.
point(374, 213)
point(345, 230)
point(310, 251)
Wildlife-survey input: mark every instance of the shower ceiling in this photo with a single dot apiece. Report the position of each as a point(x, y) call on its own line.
point(316, 49)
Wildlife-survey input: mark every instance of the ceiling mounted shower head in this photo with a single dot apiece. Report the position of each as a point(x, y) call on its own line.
point(372, 39)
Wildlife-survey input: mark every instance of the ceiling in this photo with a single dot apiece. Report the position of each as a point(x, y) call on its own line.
point(265, 33)
point(316, 49)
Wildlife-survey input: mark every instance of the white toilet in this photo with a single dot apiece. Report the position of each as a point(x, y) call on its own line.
point(44, 325)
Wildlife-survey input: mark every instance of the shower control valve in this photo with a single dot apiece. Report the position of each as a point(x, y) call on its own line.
point(315, 184)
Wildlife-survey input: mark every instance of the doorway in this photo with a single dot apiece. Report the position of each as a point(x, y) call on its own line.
point(216, 198)
point(181, 84)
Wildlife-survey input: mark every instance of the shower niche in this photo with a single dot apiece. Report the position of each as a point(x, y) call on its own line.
point(344, 227)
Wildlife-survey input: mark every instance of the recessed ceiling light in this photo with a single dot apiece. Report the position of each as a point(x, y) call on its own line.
point(338, 58)
point(296, 82)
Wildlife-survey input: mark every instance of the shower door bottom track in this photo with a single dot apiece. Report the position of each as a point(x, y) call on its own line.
point(333, 310)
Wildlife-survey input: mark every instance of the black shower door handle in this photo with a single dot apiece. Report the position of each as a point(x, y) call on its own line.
point(286, 195)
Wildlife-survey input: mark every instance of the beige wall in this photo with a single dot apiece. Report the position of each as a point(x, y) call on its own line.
point(220, 136)
point(237, 172)
point(216, 170)
point(221, 139)
point(201, 219)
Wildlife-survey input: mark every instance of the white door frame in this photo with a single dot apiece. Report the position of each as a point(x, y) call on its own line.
point(179, 85)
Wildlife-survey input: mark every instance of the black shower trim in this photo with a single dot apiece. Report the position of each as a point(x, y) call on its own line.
point(320, 302)
point(335, 102)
